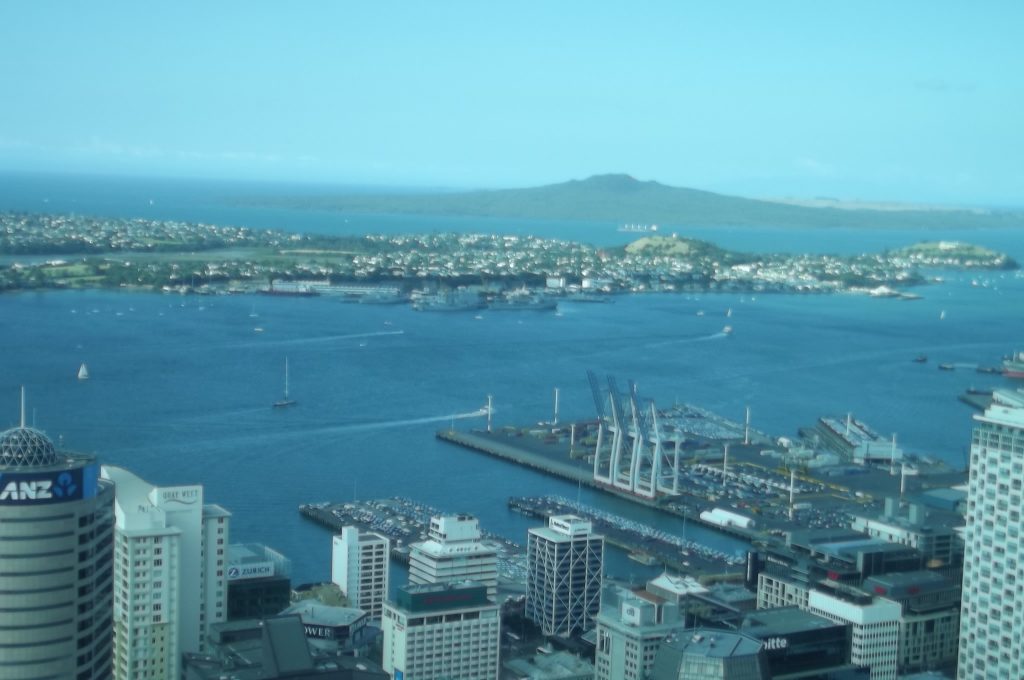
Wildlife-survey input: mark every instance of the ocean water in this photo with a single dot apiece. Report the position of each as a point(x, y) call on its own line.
point(181, 387)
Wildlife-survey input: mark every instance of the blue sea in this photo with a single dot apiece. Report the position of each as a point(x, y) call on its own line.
point(181, 387)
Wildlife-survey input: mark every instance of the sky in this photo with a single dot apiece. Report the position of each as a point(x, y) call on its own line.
point(895, 101)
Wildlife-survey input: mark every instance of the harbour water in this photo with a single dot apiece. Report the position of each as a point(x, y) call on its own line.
point(180, 388)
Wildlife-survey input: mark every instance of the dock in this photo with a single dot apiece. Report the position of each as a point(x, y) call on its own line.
point(645, 543)
point(977, 399)
point(557, 464)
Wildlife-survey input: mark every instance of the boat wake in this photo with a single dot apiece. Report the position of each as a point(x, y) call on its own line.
point(386, 424)
point(321, 339)
point(680, 341)
point(257, 434)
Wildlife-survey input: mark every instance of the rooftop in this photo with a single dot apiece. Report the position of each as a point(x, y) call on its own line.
point(714, 643)
point(783, 621)
point(315, 613)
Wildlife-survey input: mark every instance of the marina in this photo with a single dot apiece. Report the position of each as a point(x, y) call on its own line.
point(403, 522)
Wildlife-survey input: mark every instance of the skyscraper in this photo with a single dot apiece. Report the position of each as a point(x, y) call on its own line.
point(170, 584)
point(359, 566)
point(454, 551)
point(442, 630)
point(991, 623)
point(56, 561)
point(630, 628)
point(563, 577)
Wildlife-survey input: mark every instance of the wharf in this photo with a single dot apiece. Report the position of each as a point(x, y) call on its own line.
point(644, 543)
point(977, 399)
point(532, 453)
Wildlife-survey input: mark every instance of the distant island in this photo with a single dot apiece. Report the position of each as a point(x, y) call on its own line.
point(73, 251)
point(621, 199)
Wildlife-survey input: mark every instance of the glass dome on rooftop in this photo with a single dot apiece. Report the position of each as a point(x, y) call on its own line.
point(26, 447)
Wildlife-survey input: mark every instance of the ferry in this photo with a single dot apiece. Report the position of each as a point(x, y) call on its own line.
point(1013, 367)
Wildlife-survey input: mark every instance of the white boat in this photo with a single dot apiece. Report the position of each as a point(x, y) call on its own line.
point(83, 372)
point(285, 401)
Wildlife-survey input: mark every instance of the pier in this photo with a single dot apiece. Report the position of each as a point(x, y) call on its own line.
point(645, 543)
point(528, 452)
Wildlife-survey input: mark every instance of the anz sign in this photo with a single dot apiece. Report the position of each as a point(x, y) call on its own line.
point(36, 488)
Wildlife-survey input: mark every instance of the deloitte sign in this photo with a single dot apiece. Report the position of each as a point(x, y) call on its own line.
point(55, 486)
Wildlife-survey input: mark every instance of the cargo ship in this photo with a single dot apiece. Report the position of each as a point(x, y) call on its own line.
point(1013, 367)
point(512, 302)
point(448, 302)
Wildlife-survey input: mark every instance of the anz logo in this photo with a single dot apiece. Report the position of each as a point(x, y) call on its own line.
point(38, 489)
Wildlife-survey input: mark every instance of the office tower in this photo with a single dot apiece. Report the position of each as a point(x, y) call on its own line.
point(359, 566)
point(563, 575)
point(630, 628)
point(799, 645)
point(442, 630)
point(454, 551)
point(874, 624)
point(56, 560)
point(930, 623)
point(258, 581)
point(170, 552)
point(991, 624)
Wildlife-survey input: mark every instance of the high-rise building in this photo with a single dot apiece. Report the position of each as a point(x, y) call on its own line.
point(874, 624)
point(359, 566)
point(563, 575)
point(930, 624)
point(630, 628)
point(991, 624)
point(454, 551)
point(442, 630)
point(56, 561)
point(170, 582)
point(258, 581)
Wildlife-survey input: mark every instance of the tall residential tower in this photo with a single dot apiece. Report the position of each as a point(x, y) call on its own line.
point(359, 566)
point(171, 583)
point(991, 618)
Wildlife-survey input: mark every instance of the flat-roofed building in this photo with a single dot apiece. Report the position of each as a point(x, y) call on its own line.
point(630, 627)
point(442, 630)
point(564, 571)
point(454, 551)
point(359, 566)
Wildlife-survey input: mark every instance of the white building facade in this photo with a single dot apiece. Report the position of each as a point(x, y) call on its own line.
point(454, 551)
point(170, 583)
point(563, 577)
point(875, 626)
point(442, 630)
point(992, 607)
point(359, 566)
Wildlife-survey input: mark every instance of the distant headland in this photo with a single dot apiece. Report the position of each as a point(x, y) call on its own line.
point(620, 198)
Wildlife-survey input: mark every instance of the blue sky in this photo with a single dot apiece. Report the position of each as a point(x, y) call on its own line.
point(912, 101)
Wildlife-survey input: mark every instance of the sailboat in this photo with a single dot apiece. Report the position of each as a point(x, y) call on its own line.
point(83, 372)
point(285, 401)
